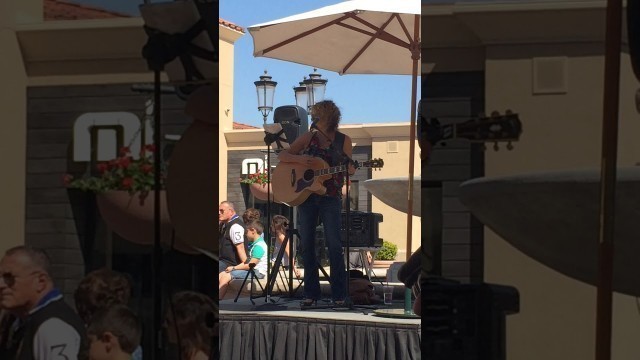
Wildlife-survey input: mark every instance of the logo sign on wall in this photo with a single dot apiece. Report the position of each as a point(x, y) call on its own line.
point(98, 135)
point(252, 166)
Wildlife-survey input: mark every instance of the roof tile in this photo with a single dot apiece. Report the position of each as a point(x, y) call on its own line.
point(63, 10)
point(230, 25)
point(240, 126)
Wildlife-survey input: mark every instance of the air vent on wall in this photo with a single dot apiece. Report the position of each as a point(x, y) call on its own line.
point(550, 75)
point(392, 146)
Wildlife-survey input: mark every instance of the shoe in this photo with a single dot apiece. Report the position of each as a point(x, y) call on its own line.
point(308, 302)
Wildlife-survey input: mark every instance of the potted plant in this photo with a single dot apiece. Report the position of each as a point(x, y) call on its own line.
point(386, 255)
point(124, 193)
point(258, 184)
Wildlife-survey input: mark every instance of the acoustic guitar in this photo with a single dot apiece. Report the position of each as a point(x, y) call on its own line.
point(293, 183)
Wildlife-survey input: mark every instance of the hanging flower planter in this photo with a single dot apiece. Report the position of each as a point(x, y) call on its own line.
point(259, 191)
point(124, 189)
point(132, 216)
point(259, 186)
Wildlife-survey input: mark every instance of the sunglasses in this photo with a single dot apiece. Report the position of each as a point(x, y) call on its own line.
point(9, 279)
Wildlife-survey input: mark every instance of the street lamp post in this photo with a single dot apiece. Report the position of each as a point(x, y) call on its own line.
point(265, 89)
point(316, 87)
point(300, 92)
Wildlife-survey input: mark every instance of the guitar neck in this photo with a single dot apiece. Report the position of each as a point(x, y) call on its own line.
point(330, 171)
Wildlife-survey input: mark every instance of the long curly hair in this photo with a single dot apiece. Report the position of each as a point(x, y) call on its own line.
point(329, 111)
point(279, 223)
point(250, 214)
point(101, 289)
point(194, 317)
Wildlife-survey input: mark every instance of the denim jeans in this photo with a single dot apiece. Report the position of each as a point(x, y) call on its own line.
point(241, 274)
point(327, 208)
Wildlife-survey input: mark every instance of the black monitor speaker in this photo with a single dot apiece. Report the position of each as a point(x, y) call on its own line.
point(363, 228)
point(293, 119)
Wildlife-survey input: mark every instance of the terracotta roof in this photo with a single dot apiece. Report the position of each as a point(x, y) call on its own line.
point(63, 10)
point(239, 126)
point(230, 25)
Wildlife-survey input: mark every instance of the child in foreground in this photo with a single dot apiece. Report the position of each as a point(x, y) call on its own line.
point(114, 334)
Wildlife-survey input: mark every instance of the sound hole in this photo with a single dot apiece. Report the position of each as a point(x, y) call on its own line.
point(308, 175)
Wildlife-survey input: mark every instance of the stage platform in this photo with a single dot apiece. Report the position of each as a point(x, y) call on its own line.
point(281, 330)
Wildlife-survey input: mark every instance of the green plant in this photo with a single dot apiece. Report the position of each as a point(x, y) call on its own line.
point(260, 177)
point(122, 173)
point(388, 251)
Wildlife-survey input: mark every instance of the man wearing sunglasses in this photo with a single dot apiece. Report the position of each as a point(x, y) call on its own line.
point(232, 246)
point(46, 327)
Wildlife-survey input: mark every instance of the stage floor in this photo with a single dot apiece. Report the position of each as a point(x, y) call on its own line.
point(281, 330)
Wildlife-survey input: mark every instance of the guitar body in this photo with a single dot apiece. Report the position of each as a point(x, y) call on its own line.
point(293, 183)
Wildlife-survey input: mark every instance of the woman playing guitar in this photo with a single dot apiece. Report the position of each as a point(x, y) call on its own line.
point(323, 143)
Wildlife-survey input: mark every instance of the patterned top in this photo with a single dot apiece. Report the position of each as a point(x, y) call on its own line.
point(333, 184)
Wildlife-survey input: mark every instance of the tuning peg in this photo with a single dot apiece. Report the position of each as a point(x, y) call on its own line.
point(509, 146)
point(495, 113)
point(508, 112)
point(495, 146)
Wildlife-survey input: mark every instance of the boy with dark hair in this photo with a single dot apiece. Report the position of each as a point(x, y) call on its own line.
point(257, 254)
point(100, 290)
point(114, 334)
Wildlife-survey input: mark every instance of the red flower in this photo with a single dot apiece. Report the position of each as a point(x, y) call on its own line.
point(66, 179)
point(102, 167)
point(150, 147)
point(147, 168)
point(124, 163)
point(127, 182)
point(124, 150)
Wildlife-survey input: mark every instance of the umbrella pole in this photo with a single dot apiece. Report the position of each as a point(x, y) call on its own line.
point(608, 179)
point(415, 56)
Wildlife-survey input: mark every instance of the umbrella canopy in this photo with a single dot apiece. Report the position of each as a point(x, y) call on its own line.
point(352, 37)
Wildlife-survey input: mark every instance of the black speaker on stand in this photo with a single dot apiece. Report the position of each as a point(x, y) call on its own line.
point(294, 121)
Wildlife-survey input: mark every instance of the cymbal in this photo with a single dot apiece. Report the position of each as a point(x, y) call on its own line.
point(553, 217)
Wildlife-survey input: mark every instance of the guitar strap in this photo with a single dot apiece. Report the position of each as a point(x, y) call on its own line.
point(337, 147)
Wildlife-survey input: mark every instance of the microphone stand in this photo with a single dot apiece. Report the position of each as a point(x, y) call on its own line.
point(269, 139)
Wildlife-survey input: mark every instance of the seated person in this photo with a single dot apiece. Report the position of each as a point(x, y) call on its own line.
point(257, 254)
point(232, 248)
point(45, 326)
point(102, 289)
point(114, 334)
point(279, 226)
point(191, 321)
point(250, 214)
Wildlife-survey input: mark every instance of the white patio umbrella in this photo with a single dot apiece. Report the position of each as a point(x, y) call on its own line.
point(352, 37)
